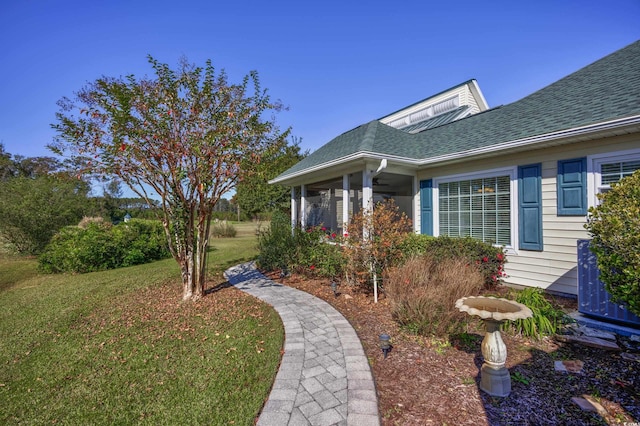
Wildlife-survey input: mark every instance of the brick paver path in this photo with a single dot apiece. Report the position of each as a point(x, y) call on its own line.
point(324, 377)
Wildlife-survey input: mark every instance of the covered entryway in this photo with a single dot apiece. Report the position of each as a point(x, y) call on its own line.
point(331, 203)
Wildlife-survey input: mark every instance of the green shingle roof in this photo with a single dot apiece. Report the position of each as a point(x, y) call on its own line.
point(606, 90)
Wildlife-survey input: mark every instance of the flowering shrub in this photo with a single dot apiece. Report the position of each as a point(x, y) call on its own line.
point(489, 259)
point(314, 255)
point(373, 241)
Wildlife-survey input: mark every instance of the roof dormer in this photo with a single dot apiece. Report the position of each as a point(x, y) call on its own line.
point(453, 104)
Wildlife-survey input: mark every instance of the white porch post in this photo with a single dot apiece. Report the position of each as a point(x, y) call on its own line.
point(303, 206)
point(367, 189)
point(345, 203)
point(416, 204)
point(367, 207)
point(294, 209)
point(333, 209)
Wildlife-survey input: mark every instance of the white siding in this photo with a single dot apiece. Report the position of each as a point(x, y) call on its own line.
point(555, 268)
point(467, 98)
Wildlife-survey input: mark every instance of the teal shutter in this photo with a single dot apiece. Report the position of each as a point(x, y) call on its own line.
point(572, 187)
point(426, 207)
point(530, 207)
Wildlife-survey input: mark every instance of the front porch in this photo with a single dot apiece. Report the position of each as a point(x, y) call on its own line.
point(331, 203)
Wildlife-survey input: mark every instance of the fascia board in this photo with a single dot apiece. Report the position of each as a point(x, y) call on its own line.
point(357, 156)
point(477, 93)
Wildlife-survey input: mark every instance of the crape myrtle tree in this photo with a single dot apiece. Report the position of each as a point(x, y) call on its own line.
point(187, 135)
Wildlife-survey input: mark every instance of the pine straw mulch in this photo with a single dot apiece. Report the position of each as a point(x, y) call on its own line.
point(427, 381)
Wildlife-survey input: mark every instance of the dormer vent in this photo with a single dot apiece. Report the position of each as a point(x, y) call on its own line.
point(426, 113)
point(446, 105)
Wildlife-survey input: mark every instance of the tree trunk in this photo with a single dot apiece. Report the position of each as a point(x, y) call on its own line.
point(199, 269)
point(188, 245)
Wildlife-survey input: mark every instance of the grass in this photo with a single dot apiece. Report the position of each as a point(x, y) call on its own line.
point(118, 347)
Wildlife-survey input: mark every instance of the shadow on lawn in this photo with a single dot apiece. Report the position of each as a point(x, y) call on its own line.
point(218, 288)
point(540, 395)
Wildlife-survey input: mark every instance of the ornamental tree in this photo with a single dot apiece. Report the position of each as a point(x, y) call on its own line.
point(374, 242)
point(187, 135)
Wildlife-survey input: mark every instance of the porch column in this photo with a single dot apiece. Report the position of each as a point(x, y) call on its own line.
point(367, 189)
point(333, 209)
point(367, 206)
point(294, 208)
point(303, 206)
point(416, 204)
point(345, 203)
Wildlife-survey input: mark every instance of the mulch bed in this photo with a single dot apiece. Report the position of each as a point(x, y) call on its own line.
point(426, 380)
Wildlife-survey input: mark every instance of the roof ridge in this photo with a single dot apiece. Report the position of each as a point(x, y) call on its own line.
point(369, 136)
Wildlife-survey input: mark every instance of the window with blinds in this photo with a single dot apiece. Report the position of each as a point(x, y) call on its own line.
point(613, 172)
point(479, 208)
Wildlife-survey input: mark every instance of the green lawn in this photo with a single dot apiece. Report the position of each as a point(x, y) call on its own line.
point(118, 347)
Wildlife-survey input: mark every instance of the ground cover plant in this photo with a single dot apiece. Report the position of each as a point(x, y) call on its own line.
point(117, 347)
point(547, 320)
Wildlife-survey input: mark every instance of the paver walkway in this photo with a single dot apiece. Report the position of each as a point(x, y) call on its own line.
point(324, 377)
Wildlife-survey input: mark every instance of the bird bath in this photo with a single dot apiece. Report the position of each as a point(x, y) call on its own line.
point(494, 376)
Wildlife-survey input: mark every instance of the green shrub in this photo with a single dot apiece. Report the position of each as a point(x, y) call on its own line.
point(423, 292)
point(100, 246)
point(489, 259)
point(223, 229)
point(276, 244)
point(227, 216)
point(546, 318)
point(317, 253)
point(615, 228)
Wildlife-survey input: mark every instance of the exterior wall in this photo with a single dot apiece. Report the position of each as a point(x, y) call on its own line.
point(467, 98)
point(554, 268)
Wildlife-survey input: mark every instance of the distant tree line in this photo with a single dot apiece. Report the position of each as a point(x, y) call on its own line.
point(40, 195)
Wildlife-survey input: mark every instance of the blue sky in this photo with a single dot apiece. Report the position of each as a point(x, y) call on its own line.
point(336, 64)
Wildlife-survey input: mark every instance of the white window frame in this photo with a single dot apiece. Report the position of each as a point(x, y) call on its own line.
point(512, 172)
point(594, 164)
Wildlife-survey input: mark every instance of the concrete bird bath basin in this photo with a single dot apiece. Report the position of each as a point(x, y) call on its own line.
point(494, 376)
